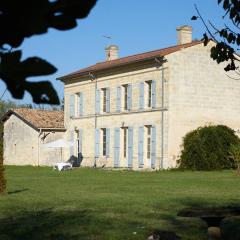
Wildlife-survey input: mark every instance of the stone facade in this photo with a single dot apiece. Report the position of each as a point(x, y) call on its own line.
point(191, 91)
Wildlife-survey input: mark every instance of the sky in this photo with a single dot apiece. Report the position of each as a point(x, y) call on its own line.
point(135, 26)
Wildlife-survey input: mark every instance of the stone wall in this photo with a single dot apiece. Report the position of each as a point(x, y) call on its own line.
point(23, 145)
point(200, 93)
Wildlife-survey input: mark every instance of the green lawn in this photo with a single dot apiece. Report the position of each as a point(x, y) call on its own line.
point(98, 204)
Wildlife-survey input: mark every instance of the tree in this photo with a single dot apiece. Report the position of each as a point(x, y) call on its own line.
point(227, 38)
point(22, 19)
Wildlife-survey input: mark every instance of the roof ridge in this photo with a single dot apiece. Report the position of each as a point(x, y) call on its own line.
point(152, 51)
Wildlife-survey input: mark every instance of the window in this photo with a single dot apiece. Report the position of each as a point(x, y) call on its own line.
point(125, 142)
point(149, 128)
point(149, 93)
point(125, 87)
point(104, 107)
point(104, 135)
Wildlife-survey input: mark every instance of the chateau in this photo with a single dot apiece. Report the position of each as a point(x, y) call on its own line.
point(133, 112)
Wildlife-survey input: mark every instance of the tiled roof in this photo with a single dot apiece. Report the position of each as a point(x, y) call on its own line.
point(130, 59)
point(39, 118)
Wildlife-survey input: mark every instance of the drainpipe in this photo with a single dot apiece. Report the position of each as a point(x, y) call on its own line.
point(40, 133)
point(160, 63)
point(162, 120)
point(93, 78)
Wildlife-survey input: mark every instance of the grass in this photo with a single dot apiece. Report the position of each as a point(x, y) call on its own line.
point(97, 204)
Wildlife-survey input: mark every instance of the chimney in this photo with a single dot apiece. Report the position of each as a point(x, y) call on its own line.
point(111, 52)
point(184, 34)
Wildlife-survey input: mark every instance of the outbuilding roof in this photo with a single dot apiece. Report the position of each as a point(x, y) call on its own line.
point(101, 66)
point(38, 118)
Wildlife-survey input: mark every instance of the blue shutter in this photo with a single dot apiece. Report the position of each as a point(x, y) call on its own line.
point(80, 133)
point(130, 147)
point(107, 142)
point(153, 94)
point(129, 97)
point(140, 146)
point(71, 148)
point(153, 147)
point(107, 100)
point(141, 95)
point(97, 101)
point(116, 146)
point(119, 99)
point(71, 105)
point(97, 139)
point(80, 104)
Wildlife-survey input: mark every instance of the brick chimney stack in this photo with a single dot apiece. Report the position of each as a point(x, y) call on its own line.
point(184, 34)
point(111, 52)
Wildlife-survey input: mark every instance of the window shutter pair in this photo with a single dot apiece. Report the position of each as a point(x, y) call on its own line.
point(141, 95)
point(72, 104)
point(97, 142)
point(129, 98)
point(98, 101)
point(141, 146)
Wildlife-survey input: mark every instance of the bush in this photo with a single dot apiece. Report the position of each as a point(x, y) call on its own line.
point(2, 178)
point(207, 148)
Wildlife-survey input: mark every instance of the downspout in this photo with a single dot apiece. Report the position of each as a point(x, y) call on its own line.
point(160, 63)
point(93, 78)
point(162, 120)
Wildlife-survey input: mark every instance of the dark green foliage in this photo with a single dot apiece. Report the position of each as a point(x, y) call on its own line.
point(227, 39)
point(207, 148)
point(2, 178)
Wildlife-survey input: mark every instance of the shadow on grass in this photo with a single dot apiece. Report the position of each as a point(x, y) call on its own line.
point(67, 225)
point(45, 224)
point(18, 191)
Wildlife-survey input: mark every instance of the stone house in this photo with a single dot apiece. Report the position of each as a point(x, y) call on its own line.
point(25, 133)
point(133, 112)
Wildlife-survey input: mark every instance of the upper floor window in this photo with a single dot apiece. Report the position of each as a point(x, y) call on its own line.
point(125, 90)
point(104, 106)
point(149, 93)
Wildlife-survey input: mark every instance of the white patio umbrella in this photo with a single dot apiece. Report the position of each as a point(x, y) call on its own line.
point(60, 143)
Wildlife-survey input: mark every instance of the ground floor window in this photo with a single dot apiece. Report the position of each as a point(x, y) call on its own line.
point(148, 142)
point(104, 141)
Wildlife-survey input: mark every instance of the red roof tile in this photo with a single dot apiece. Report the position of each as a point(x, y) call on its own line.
point(130, 59)
point(39, 118)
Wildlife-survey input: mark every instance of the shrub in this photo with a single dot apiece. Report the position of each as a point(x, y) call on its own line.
point(208, 148)
point(2, 178)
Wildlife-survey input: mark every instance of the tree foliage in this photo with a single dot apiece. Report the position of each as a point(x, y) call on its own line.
point(235, 154)
point(227, 38)
point(22, 19)
point(207, 148)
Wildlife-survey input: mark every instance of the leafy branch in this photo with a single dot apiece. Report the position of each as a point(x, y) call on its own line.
point(22, 19)
point(227, 39)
